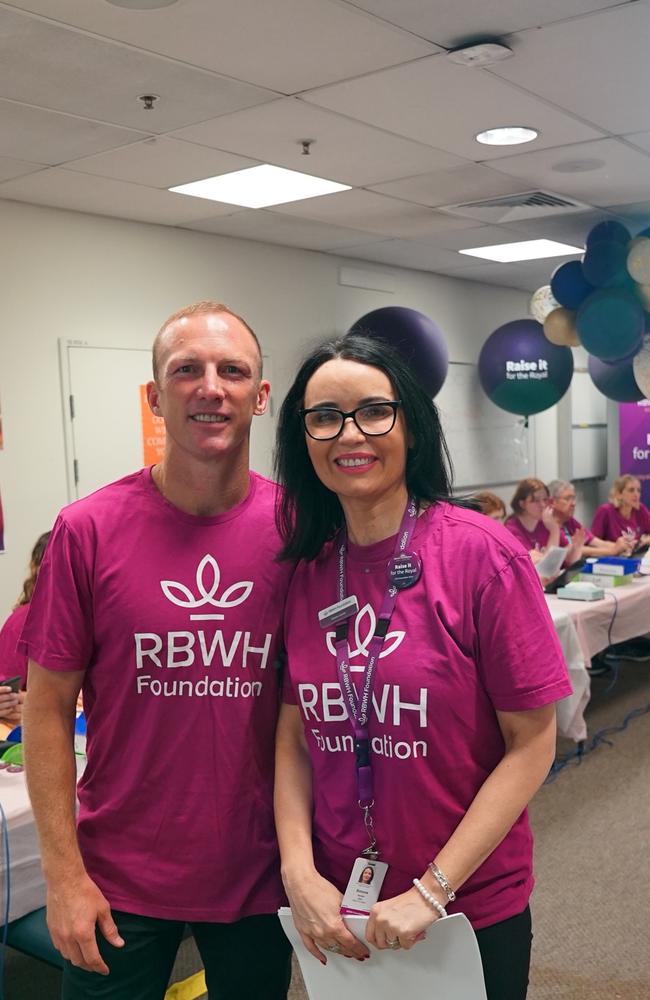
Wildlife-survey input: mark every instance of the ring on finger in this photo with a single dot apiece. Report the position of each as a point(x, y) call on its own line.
point(393, 943)
point(334, 948)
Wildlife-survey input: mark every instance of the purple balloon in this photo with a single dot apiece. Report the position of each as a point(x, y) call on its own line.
point(521, 371)
point(415, 336)
point(616, 381)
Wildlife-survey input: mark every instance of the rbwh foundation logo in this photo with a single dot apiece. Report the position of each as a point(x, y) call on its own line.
point(365, 623)
point(208, 578)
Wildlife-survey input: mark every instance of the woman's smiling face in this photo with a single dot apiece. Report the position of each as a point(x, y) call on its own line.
point(356, 465)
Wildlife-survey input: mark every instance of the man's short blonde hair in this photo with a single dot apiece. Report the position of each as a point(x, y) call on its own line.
point(202, 308)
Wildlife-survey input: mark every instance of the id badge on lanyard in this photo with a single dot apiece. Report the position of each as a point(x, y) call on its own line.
point(403, 571)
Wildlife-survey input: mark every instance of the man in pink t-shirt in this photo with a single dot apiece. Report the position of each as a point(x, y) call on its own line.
point(160, 594)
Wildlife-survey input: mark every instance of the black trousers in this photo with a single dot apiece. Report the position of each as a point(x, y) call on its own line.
point(505, 954)
point(249, 958)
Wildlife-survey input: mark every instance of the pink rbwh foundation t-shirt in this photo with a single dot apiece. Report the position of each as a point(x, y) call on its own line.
point(175, 620)
point(471, 637)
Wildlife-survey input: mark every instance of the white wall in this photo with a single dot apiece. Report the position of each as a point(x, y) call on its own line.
point(70, 275)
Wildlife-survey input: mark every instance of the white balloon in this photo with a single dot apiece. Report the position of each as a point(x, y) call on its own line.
point(638, 261)
point(542, 303)
point(641, 368)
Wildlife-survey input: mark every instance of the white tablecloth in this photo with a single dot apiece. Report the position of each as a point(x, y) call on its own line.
point(586, 628)
point(26, 883)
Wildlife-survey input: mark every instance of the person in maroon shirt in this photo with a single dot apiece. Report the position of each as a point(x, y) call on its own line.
point(624, 514)
point(533, 523)
point(563, 501)
point(13, 663)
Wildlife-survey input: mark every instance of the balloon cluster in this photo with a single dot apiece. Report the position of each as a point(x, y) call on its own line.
point(603, 303)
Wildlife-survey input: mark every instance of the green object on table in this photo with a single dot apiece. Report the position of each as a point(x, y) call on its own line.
point(14, 755)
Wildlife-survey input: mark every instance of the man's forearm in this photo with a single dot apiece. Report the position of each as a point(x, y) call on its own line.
point(51, 779)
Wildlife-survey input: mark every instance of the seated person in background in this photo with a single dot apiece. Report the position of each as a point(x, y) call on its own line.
point(624, 514)
point(491, 505)
point(534, 524)
point(563, 501)
point(13, 663)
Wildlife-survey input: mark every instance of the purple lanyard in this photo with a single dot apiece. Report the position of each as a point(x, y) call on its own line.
point(358, 709)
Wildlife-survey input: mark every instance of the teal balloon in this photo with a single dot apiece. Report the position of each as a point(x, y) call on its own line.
point(610, 324)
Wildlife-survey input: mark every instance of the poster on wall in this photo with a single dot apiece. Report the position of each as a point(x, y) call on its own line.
point(634, 443)
point(153, 432)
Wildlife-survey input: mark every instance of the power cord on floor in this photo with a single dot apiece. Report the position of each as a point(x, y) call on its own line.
point(586, 746)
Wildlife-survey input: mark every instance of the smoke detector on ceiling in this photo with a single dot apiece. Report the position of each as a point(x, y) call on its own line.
point(480, 54)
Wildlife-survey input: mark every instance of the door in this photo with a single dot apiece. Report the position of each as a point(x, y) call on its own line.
point(106, 435)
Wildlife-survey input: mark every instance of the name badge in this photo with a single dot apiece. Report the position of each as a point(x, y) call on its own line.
point(364, 886)
point(339, 612)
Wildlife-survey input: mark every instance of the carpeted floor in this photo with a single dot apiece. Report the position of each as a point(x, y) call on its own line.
point(592, 828)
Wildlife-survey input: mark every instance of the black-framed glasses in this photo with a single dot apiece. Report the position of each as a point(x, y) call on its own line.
point(323, 423)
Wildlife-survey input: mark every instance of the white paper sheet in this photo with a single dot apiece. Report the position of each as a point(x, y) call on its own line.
point(552, 561)
point(446, 966)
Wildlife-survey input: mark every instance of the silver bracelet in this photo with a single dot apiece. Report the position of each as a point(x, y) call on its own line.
point(442, 881)
point(431, 900)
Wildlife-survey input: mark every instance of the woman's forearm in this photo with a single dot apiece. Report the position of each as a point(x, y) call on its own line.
point(504, 795)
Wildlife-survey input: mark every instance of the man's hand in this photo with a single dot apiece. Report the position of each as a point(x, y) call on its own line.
point(74, 909)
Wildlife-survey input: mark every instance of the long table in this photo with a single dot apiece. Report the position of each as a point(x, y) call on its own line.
point(26, 885)
point(585, 628)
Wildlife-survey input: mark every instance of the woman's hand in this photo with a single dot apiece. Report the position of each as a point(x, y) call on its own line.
point(548, 518)
point(315, 905)
point(402, 919)
point(11, 704)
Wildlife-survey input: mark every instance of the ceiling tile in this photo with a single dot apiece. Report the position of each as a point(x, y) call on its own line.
point(623, 176)
point(402, 253)
point(640, 139)
point(448, 187)
point(50, 138)
point(161, 163)
point(286, 45)
point(571, 228)
point(526, 275)
point(597, 66)
point(477, 236)
point(387, 216)
point(47, 65)
point(343, 150)
point(270, 227)
point(436, 102)
point(16, 168)
point(636, 216)
point(450, 23)
point(63, 188)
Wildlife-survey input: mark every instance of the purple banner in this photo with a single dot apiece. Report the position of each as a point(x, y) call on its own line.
point(634, 440)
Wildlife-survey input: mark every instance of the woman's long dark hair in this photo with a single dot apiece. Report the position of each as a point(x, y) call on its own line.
point(308, 513)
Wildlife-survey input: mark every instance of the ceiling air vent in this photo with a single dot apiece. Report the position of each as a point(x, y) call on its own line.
point(517, 207)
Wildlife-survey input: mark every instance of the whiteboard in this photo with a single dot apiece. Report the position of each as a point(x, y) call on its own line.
point(488, 446)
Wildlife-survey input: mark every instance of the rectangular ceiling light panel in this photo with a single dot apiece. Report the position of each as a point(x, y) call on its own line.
point(260, 187)
point(505, 253)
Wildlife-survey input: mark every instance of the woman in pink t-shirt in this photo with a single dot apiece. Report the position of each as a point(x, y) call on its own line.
point(12, 663)
point(454, 729)
point(624, 514)
point(534, 524)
